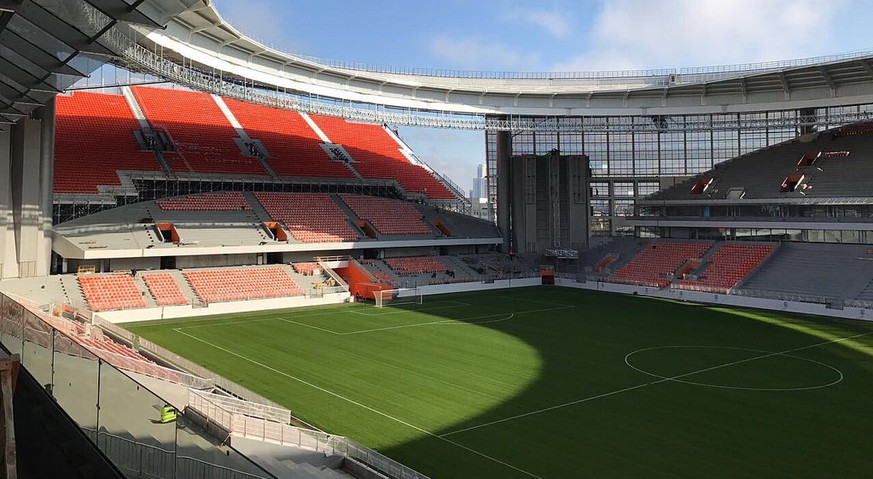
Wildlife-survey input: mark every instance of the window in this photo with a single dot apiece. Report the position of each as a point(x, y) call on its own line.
point(599, 188)
point(623, 208)
point(623, 188)
point(599, 207)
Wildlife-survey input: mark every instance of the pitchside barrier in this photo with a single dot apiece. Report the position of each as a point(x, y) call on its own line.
point(230, 416)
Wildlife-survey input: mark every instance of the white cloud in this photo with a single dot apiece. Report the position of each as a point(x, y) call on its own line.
point(554, 22)
point(258, 19)
point(478, 53)
point(631, 34)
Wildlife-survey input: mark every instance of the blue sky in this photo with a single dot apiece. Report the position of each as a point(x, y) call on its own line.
point(551, 35)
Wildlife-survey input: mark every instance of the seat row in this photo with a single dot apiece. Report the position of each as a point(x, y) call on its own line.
point(224, 201)
point(415, 265)
point(729, 266)
point(309, 217)
point(98, 129)
point(240, 284)
point(164, 289)
point(106, 292)
point(657, 260)
point(308, 269)
point(390, 217)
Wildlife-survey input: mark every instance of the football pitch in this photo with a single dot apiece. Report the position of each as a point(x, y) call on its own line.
point(555, 383)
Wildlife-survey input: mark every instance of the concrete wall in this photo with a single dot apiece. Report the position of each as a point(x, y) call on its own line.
point(725, 299)
point(134, 263)
point(477, 286)
point(189, 311)
point(26, 172)
point(549, 202)
point(26, 209)
point(399, 252)
point(210, 261)
point(8, 253)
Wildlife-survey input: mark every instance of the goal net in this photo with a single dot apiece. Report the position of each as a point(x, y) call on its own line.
point(396, 297)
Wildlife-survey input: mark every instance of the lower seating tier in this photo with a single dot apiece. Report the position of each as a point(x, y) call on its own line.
point(240, 284)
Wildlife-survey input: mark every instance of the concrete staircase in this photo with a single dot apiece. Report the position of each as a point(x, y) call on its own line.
point(353, 218)
point(184, 286)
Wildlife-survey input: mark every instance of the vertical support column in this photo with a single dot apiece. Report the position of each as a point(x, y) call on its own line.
point(46, 115)
point(504, 189)
point(26, 196)
point(8, 252)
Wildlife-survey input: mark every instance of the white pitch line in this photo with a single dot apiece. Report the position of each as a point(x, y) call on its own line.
point(659, 381)
point(218, 322)
point(356, 403)
point(459, 322)
point(448, 322)
point(448, 305)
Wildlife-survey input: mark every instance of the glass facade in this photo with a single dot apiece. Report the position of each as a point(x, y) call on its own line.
point(641, 150)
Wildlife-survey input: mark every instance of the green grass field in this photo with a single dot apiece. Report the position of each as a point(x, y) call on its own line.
point(555, 383)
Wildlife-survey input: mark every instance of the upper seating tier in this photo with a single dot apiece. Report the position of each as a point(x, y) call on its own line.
point(377, 155)
point(832, 164)
point(198, 129)
point(94, 140)
point(294, 148)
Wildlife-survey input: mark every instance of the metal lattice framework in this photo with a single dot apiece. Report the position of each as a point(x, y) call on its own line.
point(139, 58)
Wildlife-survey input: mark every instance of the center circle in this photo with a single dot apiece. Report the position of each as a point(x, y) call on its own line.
point(727, 367)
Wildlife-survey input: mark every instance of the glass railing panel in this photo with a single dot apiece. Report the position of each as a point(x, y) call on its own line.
point(130, 432)
point(12, 316)
point(36, 354)
point(76, 382)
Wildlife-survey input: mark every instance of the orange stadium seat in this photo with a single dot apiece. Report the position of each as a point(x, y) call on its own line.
point(310, 217)
point(94, 139)
point(730, 265)
point(224, 201)
point(198, 129)
point(105, 292)
point(294, 148)
point(415, 265)
point(378, 156)
point(242, 284)
point(658, 259)
point(390, 217)
point(164, 289)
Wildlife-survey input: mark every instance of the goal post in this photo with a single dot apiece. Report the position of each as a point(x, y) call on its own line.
point(397, 297)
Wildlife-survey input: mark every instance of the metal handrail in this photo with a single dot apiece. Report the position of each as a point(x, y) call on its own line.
point(270, 430)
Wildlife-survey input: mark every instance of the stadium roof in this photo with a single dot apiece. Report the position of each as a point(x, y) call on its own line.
point(45, 46)
point(202, 39)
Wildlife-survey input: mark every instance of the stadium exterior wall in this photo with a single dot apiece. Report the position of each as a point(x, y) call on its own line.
point(467, 287)
point(189, 311)
point(724, 299)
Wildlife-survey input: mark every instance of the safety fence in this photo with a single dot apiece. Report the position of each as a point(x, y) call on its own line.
point(220, 411)
point(112, 407)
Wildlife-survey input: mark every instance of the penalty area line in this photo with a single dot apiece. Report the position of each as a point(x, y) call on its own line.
point(356, 403)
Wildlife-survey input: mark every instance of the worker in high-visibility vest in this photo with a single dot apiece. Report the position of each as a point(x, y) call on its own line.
point(168, 414)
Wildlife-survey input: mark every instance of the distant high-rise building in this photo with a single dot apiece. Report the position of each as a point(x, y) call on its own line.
point(480, 185)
